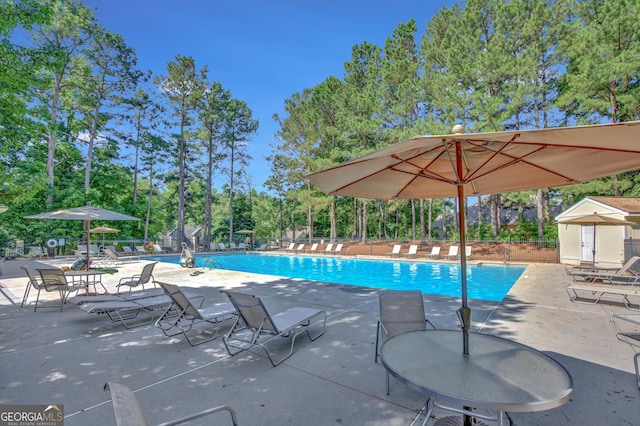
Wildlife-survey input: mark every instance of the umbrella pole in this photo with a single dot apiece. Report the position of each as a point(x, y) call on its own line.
point(88, 225)
point(464, 313)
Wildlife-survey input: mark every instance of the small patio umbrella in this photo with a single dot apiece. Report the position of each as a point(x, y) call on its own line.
point(103, 230)
point(595, 220)
point(86, 213)
point(460, 164)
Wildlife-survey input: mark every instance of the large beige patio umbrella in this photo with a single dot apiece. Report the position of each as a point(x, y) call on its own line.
point(596, 220)
point(103, 230)
point(86, 213)
point(459, 164)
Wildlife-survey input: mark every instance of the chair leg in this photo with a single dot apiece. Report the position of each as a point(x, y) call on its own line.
point(636, 361)
point(26, 295)
point(37, 300)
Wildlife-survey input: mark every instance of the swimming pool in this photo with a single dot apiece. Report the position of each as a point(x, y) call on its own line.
point(487, 282)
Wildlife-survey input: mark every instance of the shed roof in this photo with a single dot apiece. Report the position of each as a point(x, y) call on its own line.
point(627, 204)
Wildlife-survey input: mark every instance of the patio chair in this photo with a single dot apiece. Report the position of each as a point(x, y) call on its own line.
point(338, 248)
point(186, 315)
point(627, 329)
point(412, 252)
point(54, 279)
point(129, 413)
point(300, 247)
point(328, 248)
point(262, 247)
point(38, 285)
point(127, 250)
point(255, 321)
point(139, 279)
point(435, 253)
point(314, 247)
point(291, 246)
point(453, 253)
point(157, 249)
point(467, 251)
point(396, 250)
point(401, 311)
point(141, 250)
point(233, 246)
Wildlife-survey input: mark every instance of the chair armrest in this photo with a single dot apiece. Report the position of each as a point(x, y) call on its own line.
point(203, 413)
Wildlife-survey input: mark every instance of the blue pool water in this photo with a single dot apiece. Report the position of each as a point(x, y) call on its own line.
point(487, 282)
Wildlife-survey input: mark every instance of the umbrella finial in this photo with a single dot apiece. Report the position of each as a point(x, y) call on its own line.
point(457, 129)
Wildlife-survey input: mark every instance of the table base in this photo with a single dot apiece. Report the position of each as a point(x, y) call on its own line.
point(454, 421)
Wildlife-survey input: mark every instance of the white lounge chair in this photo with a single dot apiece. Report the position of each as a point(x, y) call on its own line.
point(300, 247)
point(255, 321)
point(453, 253)
point(412, 252)
point(396, 250)
point(435, 253)
point(328, 248)
point(222, 247)
point(314, 247)
point(291, 246)
point(338, 249)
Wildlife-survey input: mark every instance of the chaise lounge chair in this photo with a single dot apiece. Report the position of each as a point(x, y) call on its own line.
point(627, 328)
point(113, 256)
point(613, 275)
point(126, 310)
point(453, 253)
point(255, 321)
point(186, 315)
point(128, 412)
point(412, 252)
point(396, 250)
point(435, 253)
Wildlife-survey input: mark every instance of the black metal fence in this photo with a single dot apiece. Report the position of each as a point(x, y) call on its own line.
point(631, 248)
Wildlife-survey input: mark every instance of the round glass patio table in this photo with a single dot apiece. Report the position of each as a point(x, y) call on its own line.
point(499, 374)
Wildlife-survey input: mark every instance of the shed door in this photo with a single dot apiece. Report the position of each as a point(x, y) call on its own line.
point(587, 243)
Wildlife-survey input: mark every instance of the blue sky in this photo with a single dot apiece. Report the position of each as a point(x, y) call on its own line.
point(262, 51)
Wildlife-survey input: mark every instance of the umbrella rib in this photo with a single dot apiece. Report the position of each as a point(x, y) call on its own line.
point(521, 159)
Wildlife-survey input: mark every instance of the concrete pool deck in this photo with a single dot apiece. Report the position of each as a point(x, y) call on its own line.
point(53, 357)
